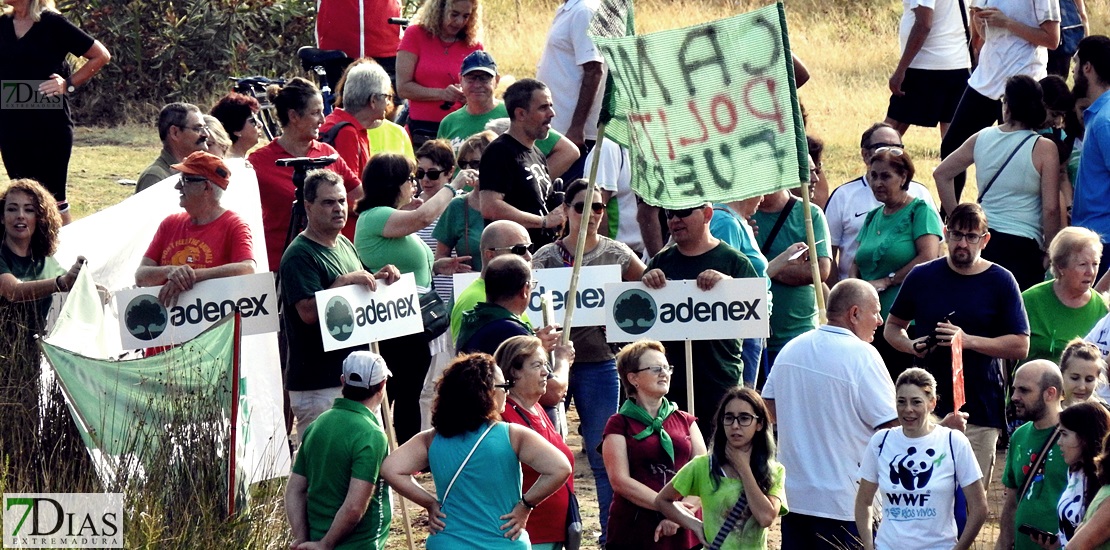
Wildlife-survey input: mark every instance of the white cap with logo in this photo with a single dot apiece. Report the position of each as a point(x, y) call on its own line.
point(363, 369)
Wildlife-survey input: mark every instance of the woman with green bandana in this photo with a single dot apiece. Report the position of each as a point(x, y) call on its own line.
point(645, 444)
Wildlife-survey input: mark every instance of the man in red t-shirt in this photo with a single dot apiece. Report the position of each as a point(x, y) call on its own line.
point(206, 241)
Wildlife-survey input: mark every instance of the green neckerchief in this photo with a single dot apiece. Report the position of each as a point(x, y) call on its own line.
point(633, 410)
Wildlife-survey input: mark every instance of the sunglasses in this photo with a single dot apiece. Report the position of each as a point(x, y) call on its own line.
point(896, 151)
point(597, 207)
point(518, 249)
point(682, 213)
point(880, 145)
point(432, 174)
point(472, 164)
point(193, 179)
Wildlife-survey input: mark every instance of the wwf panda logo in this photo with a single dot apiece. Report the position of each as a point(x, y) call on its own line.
point(913, 470)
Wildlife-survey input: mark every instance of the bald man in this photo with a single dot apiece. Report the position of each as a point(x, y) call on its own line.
point(829, 393)
point(1038, 392)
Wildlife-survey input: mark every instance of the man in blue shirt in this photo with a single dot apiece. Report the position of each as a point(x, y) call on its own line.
point(1091, 208)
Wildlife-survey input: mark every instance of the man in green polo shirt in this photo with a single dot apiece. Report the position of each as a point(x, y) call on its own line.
point(335, 497)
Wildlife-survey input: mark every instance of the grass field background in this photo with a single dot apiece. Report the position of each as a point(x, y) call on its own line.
point(849, 46)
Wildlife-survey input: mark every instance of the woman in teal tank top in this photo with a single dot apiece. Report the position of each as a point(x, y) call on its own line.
point(475, 463)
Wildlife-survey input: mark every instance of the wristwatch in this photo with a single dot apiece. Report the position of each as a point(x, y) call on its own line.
point(890, 279)
point(70, 88)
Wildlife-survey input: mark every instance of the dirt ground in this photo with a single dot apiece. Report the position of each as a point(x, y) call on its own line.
point(587, 500)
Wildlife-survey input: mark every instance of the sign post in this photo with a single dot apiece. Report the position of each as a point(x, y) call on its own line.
point(391, 436)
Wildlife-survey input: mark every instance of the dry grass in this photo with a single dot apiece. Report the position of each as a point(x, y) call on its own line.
point(849, 48)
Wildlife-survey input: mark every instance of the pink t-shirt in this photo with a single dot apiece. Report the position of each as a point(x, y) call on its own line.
point(178, 241)
point(437, 66)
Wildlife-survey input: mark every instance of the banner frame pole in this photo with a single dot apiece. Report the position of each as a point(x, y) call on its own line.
point(391, 436)
point(690, 376)
point(815, 269)
point(237, 341)
point(580, 247)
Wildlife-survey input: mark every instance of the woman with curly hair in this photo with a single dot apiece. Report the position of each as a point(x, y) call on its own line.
point(742, 487)
point(441, 35)
point(29, 274)
point(475, 461)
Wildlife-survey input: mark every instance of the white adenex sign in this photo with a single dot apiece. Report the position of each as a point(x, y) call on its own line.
point(353, 315)
point(735, 308)
point(146, 323)
point(589, 310)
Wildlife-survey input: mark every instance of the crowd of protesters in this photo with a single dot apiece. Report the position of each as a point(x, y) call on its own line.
point(814, 424)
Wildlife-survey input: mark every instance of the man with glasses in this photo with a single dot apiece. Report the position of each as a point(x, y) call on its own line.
point(967, 297)
point(697, 255)
point(206, 241)
point(498, 239)
point(345, 127)
point(182, 131)
point(849, 204)
point(829, 393)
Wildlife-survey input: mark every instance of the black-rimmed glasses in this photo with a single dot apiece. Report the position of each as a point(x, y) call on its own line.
point(957, 236)
point(504, 387)
point(744, 419)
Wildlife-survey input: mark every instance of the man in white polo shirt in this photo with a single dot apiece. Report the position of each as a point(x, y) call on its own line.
point(828, 393)
point(849, 204)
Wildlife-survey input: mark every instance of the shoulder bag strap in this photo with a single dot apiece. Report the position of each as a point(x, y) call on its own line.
point(730, 522)
point(1003, 167)
point(967, 32)
point(465, 460)
point(778, 225)
point(1038, 464)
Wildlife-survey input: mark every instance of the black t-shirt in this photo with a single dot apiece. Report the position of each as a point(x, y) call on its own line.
point(520, 173)
point(40, 53)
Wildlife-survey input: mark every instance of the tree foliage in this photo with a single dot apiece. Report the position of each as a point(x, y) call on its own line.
point(183, 50)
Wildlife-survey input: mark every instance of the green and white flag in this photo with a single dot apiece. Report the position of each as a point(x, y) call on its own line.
point(709, 112)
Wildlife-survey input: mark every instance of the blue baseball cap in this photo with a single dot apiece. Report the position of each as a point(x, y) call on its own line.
point(479, 61)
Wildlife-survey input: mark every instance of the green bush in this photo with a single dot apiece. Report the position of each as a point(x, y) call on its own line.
point(184, 50)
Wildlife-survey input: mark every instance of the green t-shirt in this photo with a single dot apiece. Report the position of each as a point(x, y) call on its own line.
point(343, 443)
point(468, 298)
point(459, 125)
point(887, 242)
point(1038, 506)
point(460, 227)
point(1052, 324)
point(1100, 496)
point(32, 314)
point(795, 306)
point(390, 137)
point(716, 502)
point(409, 254)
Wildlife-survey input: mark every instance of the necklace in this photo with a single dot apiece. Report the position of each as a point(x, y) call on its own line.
point(448, 43)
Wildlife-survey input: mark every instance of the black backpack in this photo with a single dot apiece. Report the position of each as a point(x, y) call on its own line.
point(333, 132)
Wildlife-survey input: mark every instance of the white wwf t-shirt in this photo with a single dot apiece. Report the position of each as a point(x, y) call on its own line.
point(945, 48)
point(917, 480)
point(1070, 509)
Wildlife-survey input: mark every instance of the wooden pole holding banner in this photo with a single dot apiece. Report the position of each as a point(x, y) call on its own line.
point(690, 376)
point(818, 290)
point(237, 347)
point(580, 249)
point(391, 436)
